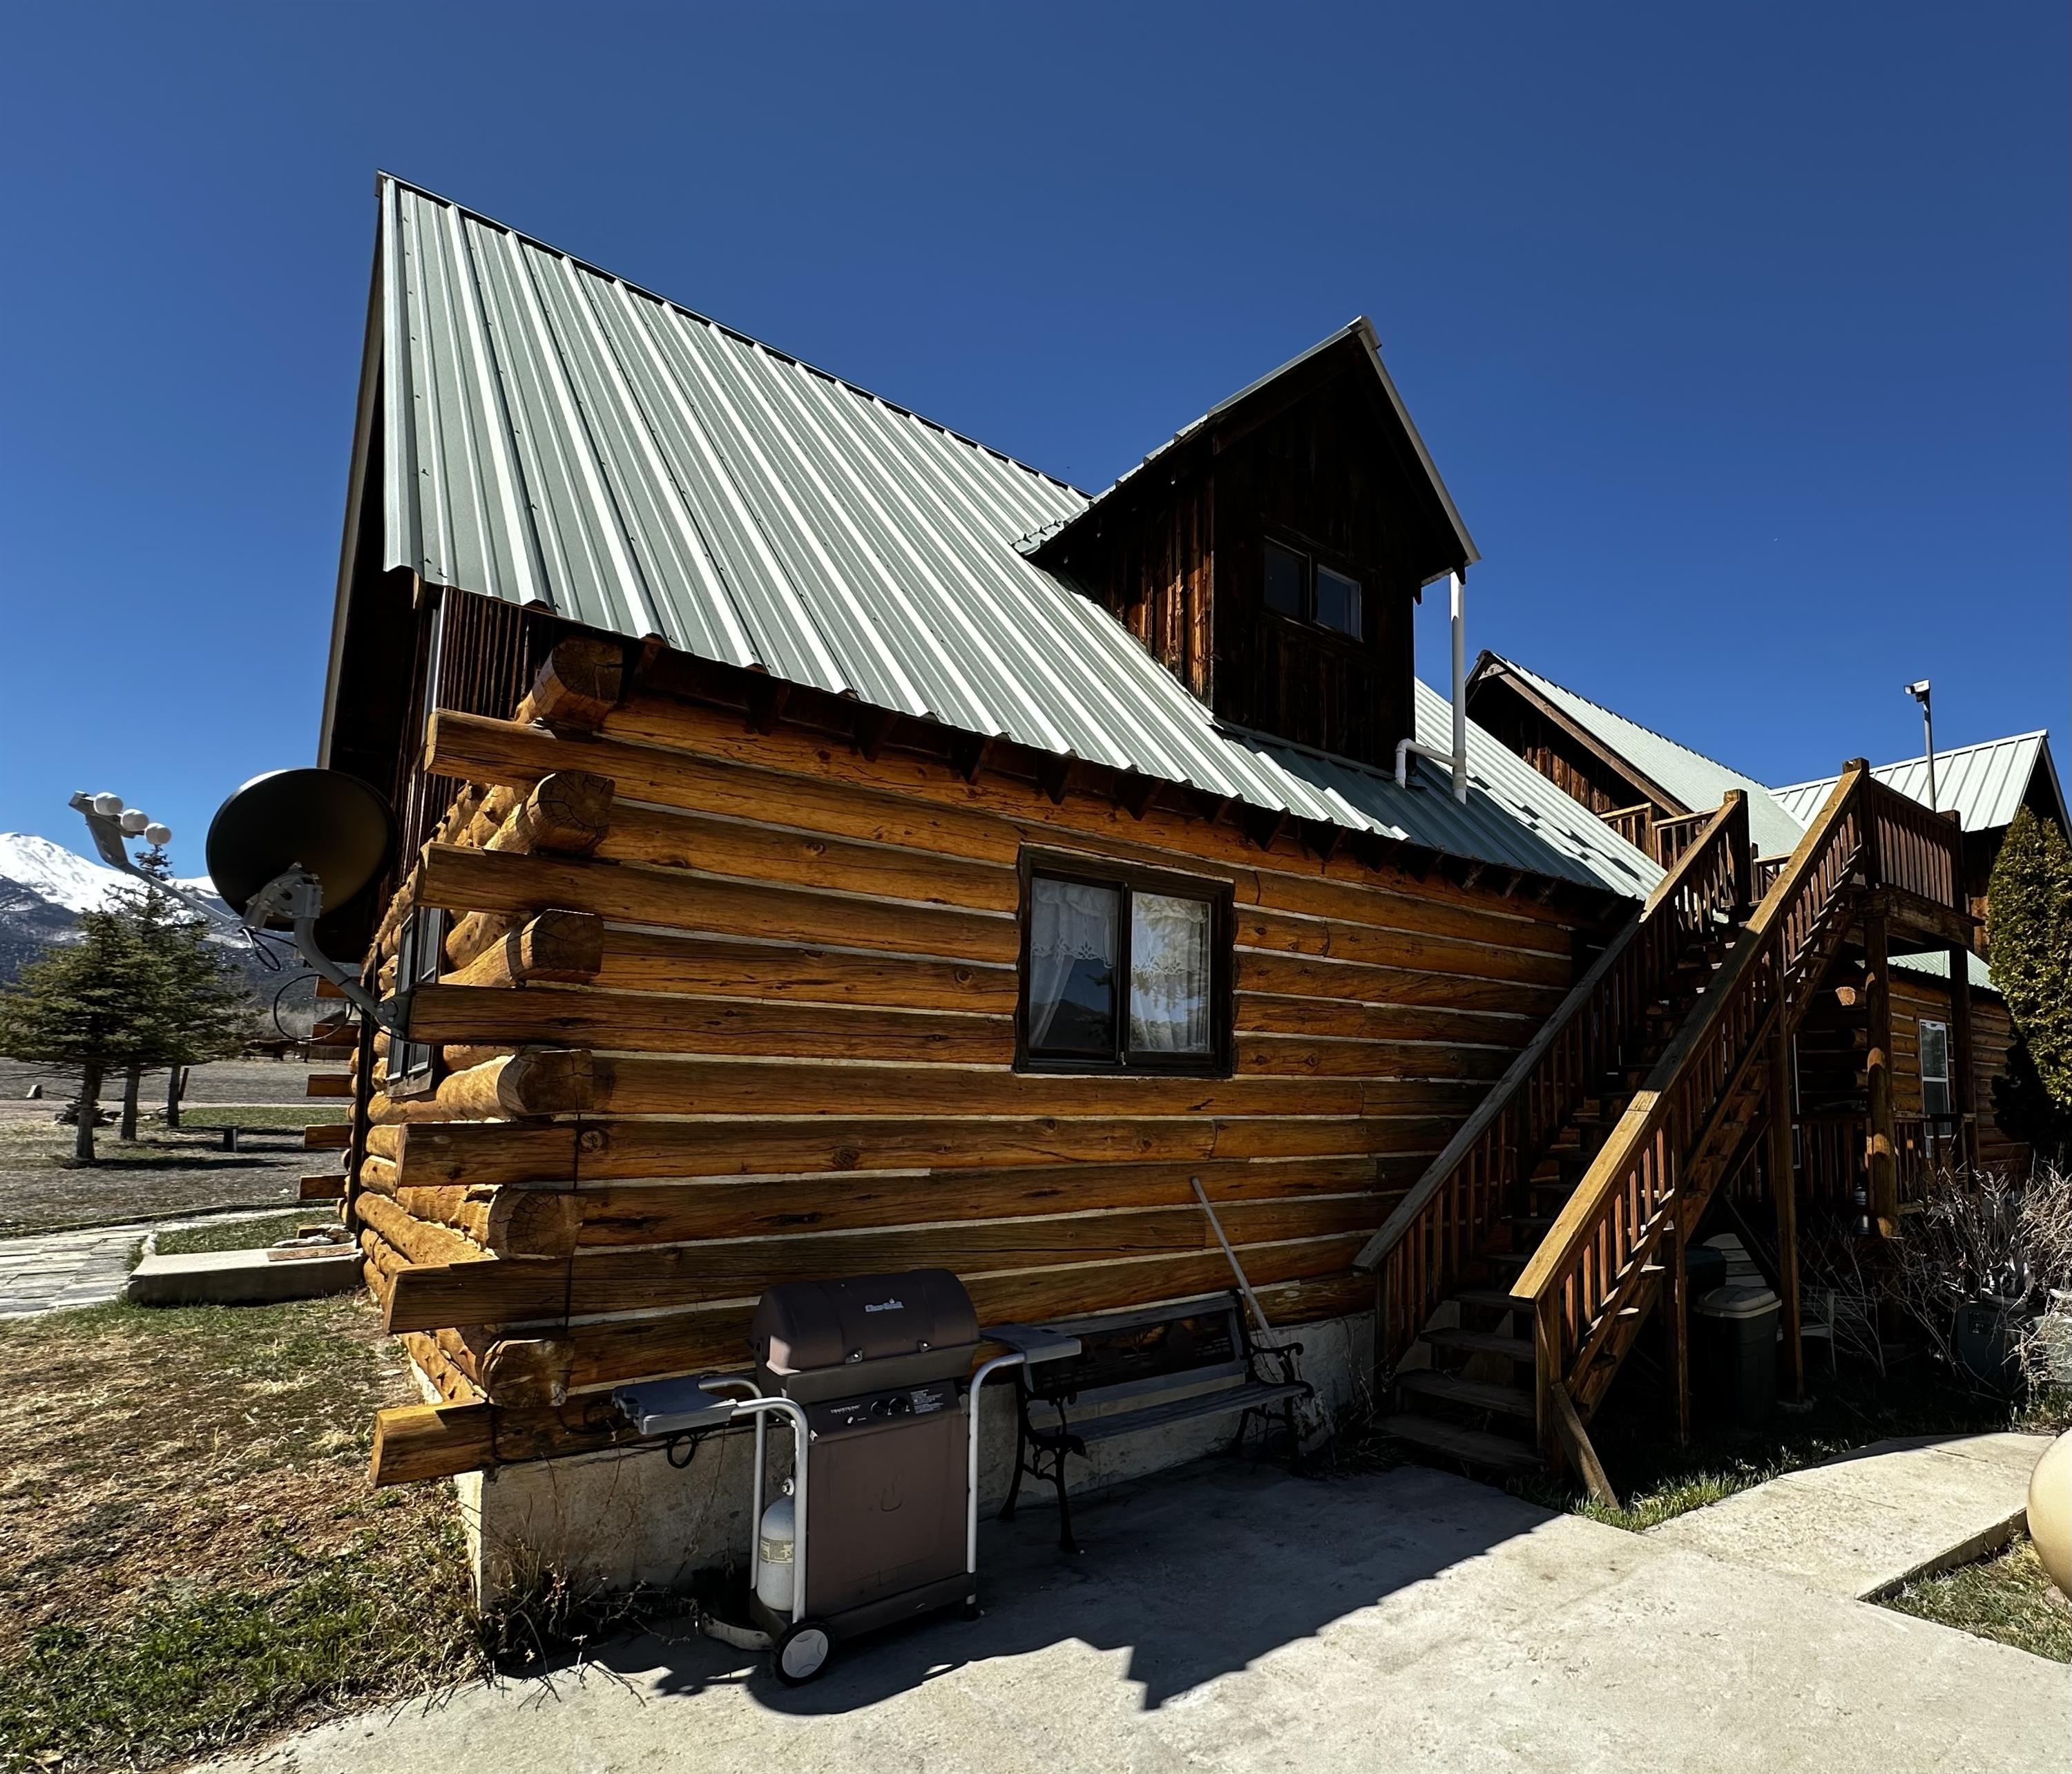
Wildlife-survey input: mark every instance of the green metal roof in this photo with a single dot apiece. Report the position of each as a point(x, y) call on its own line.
point(1699, 783)
point(558, 437)
point(1985, 783)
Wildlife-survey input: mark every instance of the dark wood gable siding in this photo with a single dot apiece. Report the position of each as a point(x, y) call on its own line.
point(1315, 460)
point(1152, 571)
point(1557, 754)
point(1313, 476)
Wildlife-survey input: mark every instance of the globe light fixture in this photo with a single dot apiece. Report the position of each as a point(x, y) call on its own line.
point(109, 806)
point(133, 821)
point(160, 835)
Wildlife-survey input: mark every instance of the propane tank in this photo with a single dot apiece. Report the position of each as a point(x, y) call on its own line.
point(776, 1538)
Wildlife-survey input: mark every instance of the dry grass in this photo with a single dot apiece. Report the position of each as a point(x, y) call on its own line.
point(2008, 1598)
point(193, 1553)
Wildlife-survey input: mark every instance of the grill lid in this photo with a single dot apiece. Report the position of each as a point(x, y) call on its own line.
point(802, 1326)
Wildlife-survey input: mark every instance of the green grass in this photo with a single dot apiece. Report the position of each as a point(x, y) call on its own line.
point(194, 1667)
point(234, 1234)
point(193, 1556)
point(2008, 1598)
point(1657, 1479)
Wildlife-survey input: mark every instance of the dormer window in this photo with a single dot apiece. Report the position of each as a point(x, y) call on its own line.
point(1304, 588)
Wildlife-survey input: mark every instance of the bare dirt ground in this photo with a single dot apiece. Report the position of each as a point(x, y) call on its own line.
point(162, 1171)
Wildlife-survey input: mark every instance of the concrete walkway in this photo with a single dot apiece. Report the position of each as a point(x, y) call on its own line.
point(51, 1272)
point(1864, 1524)
point(1235, 1619)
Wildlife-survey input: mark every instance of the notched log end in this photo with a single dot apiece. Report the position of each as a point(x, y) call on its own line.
point(580, 684)
point(549, 1081)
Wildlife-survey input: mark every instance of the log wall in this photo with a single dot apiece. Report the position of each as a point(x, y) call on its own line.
point(765, 1030)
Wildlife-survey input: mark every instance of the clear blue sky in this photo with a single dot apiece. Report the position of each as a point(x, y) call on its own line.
point(1739, 333)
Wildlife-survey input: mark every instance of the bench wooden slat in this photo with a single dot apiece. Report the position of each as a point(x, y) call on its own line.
point(1227, 1402)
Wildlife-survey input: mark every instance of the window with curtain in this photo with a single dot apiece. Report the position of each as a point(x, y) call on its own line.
point(1128, 973)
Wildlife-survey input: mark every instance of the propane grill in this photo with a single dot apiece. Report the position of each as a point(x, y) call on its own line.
point(881, 1366)
point(879, 1519)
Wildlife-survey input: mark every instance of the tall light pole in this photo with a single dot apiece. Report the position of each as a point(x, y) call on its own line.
point(1918, 690)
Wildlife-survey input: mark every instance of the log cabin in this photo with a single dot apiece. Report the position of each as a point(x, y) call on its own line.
point(1654, 791)
point(832, 846)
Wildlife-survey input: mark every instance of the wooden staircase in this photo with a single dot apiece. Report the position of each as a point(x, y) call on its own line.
point(1516, 1276)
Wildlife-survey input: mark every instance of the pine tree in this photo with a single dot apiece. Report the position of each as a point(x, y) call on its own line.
point(90, 1005)
point(2030, 899)
point(203, 1009)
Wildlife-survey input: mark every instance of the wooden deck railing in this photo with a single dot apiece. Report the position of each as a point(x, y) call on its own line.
point(1676, 834)
point(1634, 823)
point(1919, 851)
point(1598, 1260)
point(1447, 1217)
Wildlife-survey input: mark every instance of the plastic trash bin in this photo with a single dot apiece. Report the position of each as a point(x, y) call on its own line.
point(1705, 1269)
point(1733, 1352)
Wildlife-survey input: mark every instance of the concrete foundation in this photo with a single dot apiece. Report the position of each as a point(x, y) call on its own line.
point(630, 1519)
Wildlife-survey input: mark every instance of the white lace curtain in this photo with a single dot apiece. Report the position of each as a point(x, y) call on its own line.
point(1069, 924)
point(1169, 974)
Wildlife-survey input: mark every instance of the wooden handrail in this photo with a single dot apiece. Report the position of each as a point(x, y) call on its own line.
point(1585, 1282)
point(1645, 1114)
point(1455, 1203)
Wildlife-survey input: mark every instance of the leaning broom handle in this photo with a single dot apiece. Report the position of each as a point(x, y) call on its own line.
point(1237, 1268)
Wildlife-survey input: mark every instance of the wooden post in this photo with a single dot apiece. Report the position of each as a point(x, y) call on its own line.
point(1784, 1196)
point(1881, 1154)
point(1547, 1374)
point(1963, 1082)
point(1676, 1287)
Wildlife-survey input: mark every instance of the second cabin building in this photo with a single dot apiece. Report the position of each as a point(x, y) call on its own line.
point(833, 847)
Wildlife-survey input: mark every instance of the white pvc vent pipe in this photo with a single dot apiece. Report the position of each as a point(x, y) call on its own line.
point(1456, 584)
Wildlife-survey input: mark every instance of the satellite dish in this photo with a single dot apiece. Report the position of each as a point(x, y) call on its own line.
point(331, 826)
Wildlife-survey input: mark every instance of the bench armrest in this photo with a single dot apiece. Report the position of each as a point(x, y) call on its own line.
point(1033, 1342)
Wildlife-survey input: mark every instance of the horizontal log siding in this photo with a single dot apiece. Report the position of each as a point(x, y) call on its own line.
point(800, 1040)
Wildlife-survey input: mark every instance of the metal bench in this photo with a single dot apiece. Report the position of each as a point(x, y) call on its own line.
point(1156, 1357)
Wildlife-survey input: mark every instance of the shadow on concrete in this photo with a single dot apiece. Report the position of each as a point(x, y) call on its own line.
point(1188, 1576)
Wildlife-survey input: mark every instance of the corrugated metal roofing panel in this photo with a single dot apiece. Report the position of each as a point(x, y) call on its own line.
point(557, 436)
point(1935, 965)
point(1985, 783)
point(1699, 782)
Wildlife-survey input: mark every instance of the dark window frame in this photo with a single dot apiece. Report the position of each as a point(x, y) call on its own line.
point(415, 1068)
point(1947, 1080)
point(1314, 558)
point(1129, 879)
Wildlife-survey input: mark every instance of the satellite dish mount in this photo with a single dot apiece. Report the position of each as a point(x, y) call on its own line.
point(282, 850)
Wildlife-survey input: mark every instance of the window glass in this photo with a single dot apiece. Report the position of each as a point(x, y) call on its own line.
point(1338, 602)
point(1072, 952)
point(1169, 974)
point(1287, 581)
point(1935, 1068)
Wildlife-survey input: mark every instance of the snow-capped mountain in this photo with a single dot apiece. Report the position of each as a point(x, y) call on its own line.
point(44, 888)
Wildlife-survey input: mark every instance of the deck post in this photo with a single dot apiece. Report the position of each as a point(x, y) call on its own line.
point(1881, 1154)
point(1676, 1288)
point(1784, 1197)
point(1963, 1081)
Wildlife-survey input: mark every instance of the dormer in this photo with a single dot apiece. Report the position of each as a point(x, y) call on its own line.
point(1269, 556)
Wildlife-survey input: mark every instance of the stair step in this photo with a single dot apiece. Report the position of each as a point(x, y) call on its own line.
point(1492, 1298)
point(1474, 1446)
point(1512, 1260)
point(1516, 1348)
point(1469, 1394)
